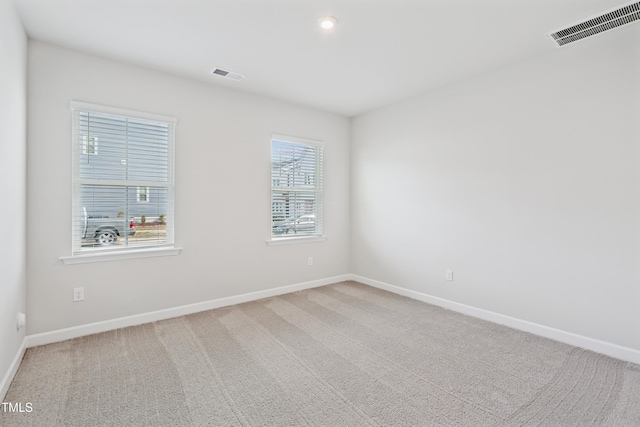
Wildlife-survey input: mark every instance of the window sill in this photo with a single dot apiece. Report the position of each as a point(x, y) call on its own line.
point(301, 239)
point(115, 256)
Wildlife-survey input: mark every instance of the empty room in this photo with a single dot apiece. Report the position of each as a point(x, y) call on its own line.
point(320, 212)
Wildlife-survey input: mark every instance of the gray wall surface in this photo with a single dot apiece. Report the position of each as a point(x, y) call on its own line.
point(13, 175)
point(223, 205)
point(524, 181)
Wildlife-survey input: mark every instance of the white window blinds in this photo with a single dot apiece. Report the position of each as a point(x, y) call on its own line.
point(122, 188)
point(296, 187)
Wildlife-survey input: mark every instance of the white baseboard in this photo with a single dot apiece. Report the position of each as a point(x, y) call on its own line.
point(139, 319)
point(602, 347)
point(13, 369)
point(609, 349)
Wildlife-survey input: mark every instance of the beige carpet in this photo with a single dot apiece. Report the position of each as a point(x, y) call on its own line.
point(339, 355)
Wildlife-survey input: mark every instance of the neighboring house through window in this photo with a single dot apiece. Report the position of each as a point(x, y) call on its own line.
point(123, 193)
point(296, 187)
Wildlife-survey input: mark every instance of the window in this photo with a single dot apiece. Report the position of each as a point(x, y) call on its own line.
point(122, 194)
point(142, 194)
point(90, 145)
point(296, 187)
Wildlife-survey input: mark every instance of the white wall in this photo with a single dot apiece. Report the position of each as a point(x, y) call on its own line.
point(222, 214)
point(13, 86)
point(524, 181)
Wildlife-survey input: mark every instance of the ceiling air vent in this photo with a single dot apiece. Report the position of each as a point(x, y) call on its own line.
point(227, 74)
point(609, 20)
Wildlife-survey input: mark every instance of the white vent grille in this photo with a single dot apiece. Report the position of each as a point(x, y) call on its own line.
point(604, 22)
point(227, 74)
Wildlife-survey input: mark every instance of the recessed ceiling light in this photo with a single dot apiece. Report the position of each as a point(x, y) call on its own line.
point(328, 22)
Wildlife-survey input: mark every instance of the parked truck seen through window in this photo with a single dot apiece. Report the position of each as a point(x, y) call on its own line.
point(105, 230)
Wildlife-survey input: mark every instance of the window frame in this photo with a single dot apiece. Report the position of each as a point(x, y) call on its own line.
point(79, 255)
point(279, 239)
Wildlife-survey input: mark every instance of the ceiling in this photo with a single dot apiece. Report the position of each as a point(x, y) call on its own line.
point(381, 51)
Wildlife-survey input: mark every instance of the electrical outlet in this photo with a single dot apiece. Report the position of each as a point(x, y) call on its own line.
point(78, 294)
point(449, 275)
point(310, 261)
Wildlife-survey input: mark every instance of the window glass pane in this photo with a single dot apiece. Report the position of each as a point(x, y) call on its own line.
point(293, 165)
point(150, 217)
point(294, 213)
point(130, 149)
point(147, 151)
point(115, 209)
point(111, 131)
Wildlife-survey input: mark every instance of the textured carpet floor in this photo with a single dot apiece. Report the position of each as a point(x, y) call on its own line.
point(339, 355)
